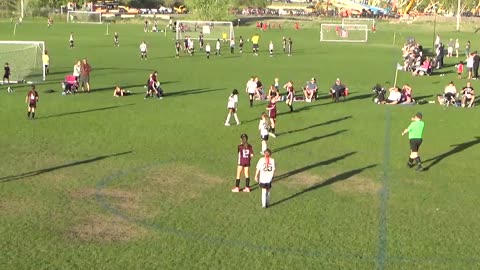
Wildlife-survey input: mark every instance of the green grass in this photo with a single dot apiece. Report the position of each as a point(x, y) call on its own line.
point(98, 182)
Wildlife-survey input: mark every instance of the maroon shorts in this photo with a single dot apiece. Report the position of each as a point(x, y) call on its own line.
point(32, 105)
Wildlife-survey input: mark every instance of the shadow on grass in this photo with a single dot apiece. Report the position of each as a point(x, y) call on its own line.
point(192, 92)
point(458, 148)
point(340, 177)
point(316, 138)
point(423, 97)
point(87, 111)
point(51, 169)
point(317, 125)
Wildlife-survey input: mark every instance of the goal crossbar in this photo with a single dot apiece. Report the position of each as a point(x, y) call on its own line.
point(77, 16)
point(211, 30)
point(344, 32)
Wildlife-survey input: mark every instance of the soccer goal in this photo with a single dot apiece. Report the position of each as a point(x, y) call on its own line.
point(211, 30)
point(24, 59)
point(344, 32)
point(367, 21)
point(84, 17)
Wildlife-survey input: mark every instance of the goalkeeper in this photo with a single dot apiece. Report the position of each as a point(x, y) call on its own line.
point(255, 40)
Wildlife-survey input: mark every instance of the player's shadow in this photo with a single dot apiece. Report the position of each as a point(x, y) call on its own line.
point(457, 149)
point(193, 92)
point(332, 180)
point(316, 138)
point(317, 125)
point(86, 111)
point(51, 169)
point(357, 97)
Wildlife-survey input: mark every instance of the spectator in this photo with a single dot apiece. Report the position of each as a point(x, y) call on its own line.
point(407, 94)
point(338, 89)
point(470, 66)
point(468, 95)
point(77, 68)
point(449, 94)
point(310, 90)
point(394, 96)
point(85, 75)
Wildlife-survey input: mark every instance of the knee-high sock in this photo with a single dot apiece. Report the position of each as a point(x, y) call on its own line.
point(264, 197)
point(236, 118)
point(268, 198)
point(228, 119)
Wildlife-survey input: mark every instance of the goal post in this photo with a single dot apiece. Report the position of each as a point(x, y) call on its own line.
point(211, 30)
point(25, 59)
point(84, 17)
point(344, 32)
point(368, 21)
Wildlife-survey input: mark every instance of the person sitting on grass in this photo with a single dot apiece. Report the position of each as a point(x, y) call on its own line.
point(120, 92)
point(407, 94)
point(468, 95)
point(394, 96)
point(424, 69)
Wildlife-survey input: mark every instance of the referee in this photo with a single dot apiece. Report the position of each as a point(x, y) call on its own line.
point(415, 134)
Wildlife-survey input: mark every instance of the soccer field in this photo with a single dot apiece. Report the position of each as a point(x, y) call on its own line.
point(98, 182)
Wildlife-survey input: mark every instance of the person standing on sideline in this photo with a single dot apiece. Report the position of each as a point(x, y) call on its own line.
point(85, 75)
point(264, 176)
point(263, 127)
point(143, 51)
point(290, 44)
point(245, 154)
point(284, 44)
point(476, 64)
point(207, 50)
point(415, 134)
point(457, 47)
point(71, 40)
point(46, 62)
point(6, 74)
point(77, 69)
point(251, 89)
point(178, 47)
point(255, 40)
point(217, 47)
point(232, 107)
point(31, 99)
point(116, 42)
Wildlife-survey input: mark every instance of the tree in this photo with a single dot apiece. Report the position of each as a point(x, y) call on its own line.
point(208, 10)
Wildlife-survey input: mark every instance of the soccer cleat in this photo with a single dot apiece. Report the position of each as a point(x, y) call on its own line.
point(236, 189)
point(227, 124)
point(409, 165)
point(238, 124)
point(272, 134)
point(246, 189)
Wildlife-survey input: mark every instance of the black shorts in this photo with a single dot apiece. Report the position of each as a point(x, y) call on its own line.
point(255, 46)
point(251, 94)
point(265, 185)
point(415, 144)
point(6, 76)
point(264, 137)
point(32, 105)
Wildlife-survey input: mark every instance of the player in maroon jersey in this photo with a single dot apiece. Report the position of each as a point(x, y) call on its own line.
point(31, 99)
point(245, 154)
point(272, 114)
point(153, 86)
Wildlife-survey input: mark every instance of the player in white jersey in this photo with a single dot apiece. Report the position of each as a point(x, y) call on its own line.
point(264, 176)
point(143, 51)
point(232, 107)
point(207, 50)
point(264, 127)
point(270, 48)
point(251, 89)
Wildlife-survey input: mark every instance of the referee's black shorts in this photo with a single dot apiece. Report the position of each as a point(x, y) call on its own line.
point(415, 144)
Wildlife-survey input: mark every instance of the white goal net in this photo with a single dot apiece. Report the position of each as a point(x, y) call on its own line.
point(344, 32)
point(212, 30)
point(84, 17)
point(367, 21)
point(24, 59)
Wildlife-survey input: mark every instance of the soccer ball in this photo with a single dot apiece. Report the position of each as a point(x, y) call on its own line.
point(248, 40)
